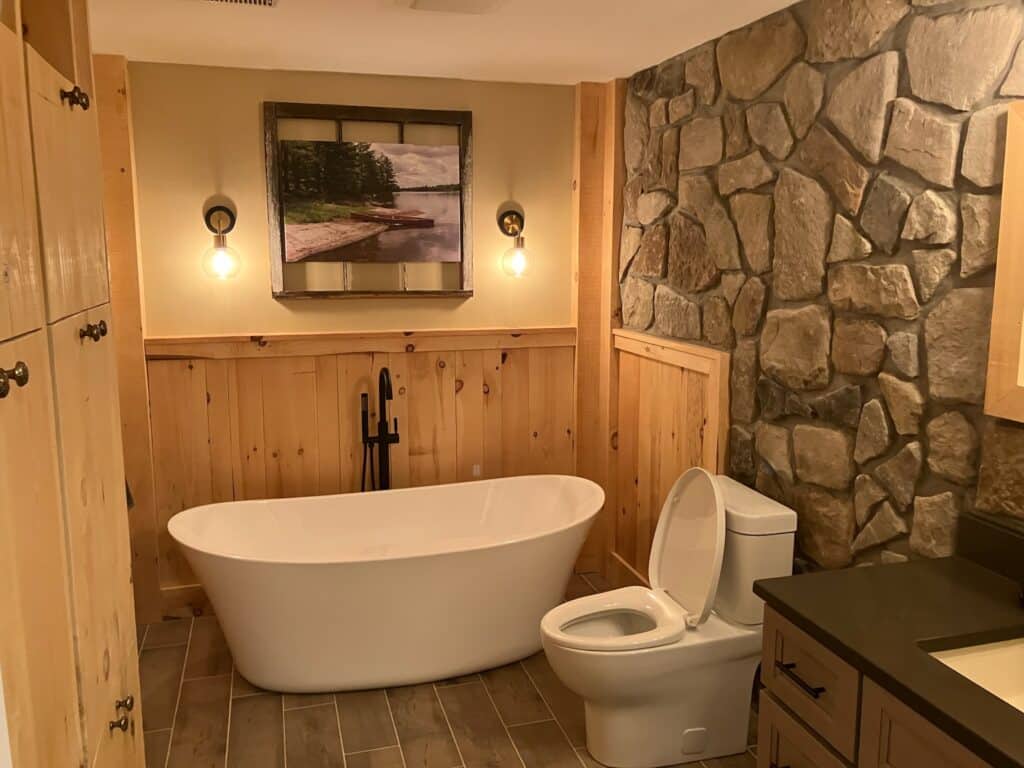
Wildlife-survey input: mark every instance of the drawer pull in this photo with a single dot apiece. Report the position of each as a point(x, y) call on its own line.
point(18, 374)
point(789, 670)
point(127, 703)
point(94, 331)
point(121, 724)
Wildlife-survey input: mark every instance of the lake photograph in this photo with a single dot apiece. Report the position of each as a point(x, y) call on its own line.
point(370, 202)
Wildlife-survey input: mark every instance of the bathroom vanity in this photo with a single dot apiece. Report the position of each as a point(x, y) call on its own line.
point(854, 676)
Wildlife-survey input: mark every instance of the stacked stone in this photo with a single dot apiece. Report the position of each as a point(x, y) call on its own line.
point(818, 192)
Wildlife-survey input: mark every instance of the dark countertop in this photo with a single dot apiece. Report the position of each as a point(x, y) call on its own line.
point(876, 617)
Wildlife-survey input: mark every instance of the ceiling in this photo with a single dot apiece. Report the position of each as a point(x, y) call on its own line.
point(534, 41)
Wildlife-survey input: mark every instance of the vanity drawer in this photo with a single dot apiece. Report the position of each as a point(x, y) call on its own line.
point(818, 686)
point(784, 740)
point(894, 736)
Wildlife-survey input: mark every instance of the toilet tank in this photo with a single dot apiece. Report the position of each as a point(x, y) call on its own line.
point(758, 545)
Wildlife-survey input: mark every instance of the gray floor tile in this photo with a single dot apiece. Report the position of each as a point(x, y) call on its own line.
point(168, 633)
point(566, 706)
point(208, 653)
point(543, 745)
point(422, 728)
point(160, 679)
point(588, 761)
point(578, 587)
point(744, 760)
point(365, 721)
point(156, 743)
point(300, 700)
point(311, 738)
point(481, 737)
point(389, 757)
point(515, 696)
point(200, 736)
point(460, 680)
point(257, 733)
point(242, 687)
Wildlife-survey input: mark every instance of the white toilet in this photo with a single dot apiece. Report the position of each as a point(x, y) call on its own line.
point(666, 673)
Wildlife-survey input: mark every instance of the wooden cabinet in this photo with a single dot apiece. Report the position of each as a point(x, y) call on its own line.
point(784, 740)
point(36, 646)
point(812, 681)
point(21, 282)
point(892, 735)
point(69, 182)
point(89, 436)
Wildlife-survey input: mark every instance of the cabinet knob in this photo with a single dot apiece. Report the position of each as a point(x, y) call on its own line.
point(121, 724)
point(18, 374)
point(127, 703)
point(75, 97)
point(94, 331)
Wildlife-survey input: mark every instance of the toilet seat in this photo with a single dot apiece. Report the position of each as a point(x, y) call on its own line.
point(668, 619)
point(685, 564)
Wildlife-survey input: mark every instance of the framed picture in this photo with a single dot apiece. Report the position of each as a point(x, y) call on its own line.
point(368, 201)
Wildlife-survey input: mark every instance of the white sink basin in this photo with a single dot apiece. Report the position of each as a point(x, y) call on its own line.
point(996, 667)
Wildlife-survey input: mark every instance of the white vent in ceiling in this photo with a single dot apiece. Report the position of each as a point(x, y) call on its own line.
point(475, 7)
point(264, 3)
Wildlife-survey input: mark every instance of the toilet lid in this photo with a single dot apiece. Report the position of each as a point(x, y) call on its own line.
point(686, 555)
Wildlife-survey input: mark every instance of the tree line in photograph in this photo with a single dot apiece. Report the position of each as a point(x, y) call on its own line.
point(336, 172)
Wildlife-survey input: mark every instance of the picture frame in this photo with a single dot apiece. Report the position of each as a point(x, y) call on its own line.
point(399, 227)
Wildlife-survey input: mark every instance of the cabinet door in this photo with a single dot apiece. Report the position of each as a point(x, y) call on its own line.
point(36, 644)
point(89, 434)
point(69, 179)
point(21, 281)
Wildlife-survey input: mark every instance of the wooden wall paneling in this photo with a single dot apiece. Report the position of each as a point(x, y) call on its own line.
point(355, 376)
point(492, 425)
point(515, 412)
point(469, 415)
point(671, 409)
point(221, 426)
point(431, 421)
point(21, 284)
point(251, 443)
point(328, 425)
point(181, 447)
point(36, 643)
point(398, 365)
point(96, 519)
point(552, 413)
point(290, 426)
point(113, 107)
point(48, 30)
point(597, 217)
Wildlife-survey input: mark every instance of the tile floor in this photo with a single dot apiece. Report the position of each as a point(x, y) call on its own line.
point(199, 713)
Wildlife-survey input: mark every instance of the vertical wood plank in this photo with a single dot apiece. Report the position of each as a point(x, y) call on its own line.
point(219, 406)
point(398, 364)
point(354, 377)
point(551, 411)
point(492, 414)
point(469, 415)
point(289, 426)
point(328, 426)
point(181, 450)
point(515, 412)
point(251, 442)
point(431, 420)
point(628, 456)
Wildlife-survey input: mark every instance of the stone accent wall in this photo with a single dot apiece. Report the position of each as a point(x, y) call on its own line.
point(819, 192)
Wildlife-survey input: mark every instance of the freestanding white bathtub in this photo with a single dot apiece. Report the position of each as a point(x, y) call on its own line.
point(366, 590)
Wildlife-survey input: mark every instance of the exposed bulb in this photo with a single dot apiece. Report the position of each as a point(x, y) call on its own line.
point(514, 262)
point(221, 261)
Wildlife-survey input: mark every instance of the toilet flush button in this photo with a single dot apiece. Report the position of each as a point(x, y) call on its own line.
point(695, 741)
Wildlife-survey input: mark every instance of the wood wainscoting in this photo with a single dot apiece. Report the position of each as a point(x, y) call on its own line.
point(276, 416)
point(673, 414)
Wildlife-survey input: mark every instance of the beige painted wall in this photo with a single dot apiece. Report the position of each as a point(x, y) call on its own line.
point(198, 133)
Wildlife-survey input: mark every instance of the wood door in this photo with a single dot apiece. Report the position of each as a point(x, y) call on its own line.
point(68, 178)
point(36, 644)
point(89, 435)
point(21, 281)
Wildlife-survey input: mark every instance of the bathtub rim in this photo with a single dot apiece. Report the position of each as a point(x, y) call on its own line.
point(587, 519)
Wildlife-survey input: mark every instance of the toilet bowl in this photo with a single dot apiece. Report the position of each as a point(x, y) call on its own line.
point(666, 672)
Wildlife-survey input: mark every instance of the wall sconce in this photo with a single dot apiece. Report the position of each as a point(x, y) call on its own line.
point(221, 261)
point(511, 222)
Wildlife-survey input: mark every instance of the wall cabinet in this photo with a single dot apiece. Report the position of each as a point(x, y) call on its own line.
point(36, 644)
point(89, 436)
point(21, 283)
point(68, 176)
point(67, 638)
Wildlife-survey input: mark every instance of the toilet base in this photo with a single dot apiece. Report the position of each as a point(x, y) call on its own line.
point(699, 723)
